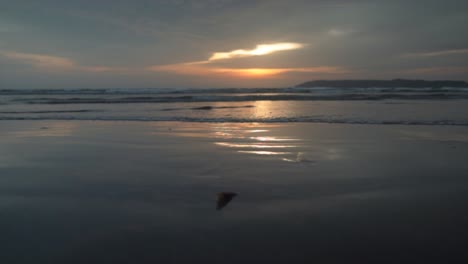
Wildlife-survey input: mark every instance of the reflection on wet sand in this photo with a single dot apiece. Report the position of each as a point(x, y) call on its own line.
point(269, 139)
point(238, 136)
point(299, 158)
point(252, 145)
point(264, 152)
point(257, 130)
point(249, 139)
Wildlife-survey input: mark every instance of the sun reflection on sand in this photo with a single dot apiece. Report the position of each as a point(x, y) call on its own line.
point(253, 139)
point(257, 130)
point(250, 145)
point(263, 109)
point(299, 158)
point(239, 137)
point(264, 152)
point(273, 139)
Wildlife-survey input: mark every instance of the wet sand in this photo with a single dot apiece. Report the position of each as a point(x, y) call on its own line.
point(146, 192)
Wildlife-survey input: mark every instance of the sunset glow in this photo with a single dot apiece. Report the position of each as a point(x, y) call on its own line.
point(201, 68)
point(250, 72)
point(264, 72)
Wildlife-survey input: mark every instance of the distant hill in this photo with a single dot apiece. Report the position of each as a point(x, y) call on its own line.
point(383, 83)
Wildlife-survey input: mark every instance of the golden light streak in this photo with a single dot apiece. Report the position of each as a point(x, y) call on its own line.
point(257, 131)
point(267, 139)
point(234, 145)
point(192, 69)
point(260, 72)
point(263, 152)
point(250, 72)
point(261, 49)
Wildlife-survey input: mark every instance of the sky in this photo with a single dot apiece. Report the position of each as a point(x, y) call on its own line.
point(228, 43)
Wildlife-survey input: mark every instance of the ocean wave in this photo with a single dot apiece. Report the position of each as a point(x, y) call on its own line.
point(241, 98)
point(49, 111)
point(162, 91)
point(302, 119)
point(207, 107)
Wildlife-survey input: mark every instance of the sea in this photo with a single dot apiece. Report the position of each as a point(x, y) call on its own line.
point(398, 105)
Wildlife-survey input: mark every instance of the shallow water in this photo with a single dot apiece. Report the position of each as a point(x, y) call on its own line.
point(145, 192)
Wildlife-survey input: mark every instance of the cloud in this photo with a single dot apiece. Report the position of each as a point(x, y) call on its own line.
point(437, 53)
point(335, 32)
point(57, 63)
point(41, 61)
point(438, 70)
point(147, 26)
point(261, 49)
point(104, 69)
point(180, 68)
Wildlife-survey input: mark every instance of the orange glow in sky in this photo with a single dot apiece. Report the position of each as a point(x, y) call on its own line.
point(256, 72)
point(268, 72)
point(207, 67)
point(202, 68)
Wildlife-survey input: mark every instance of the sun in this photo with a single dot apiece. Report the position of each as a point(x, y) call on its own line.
point(254, 72)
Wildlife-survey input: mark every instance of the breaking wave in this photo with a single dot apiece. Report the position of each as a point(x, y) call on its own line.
point(241, 98)
point(168, 91)
point(304, 119)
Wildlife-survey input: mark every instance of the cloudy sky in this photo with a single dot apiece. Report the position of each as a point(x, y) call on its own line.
point(228, 43)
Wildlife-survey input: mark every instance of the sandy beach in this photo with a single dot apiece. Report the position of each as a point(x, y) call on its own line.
point(145, 192)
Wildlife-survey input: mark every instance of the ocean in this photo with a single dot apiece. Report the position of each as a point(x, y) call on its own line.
point(406, 106)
